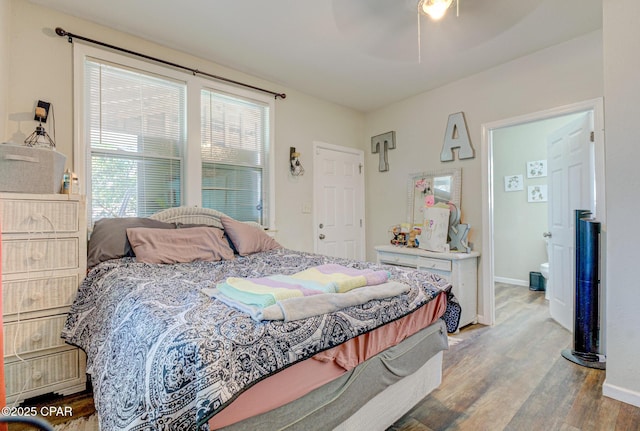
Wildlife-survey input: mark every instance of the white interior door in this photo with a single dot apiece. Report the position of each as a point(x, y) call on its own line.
point(570, 166)
point(338, 181)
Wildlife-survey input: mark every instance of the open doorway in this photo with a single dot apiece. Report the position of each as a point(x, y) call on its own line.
point(520, 198)
point(486, 309)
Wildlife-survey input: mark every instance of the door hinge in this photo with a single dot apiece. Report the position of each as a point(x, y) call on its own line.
point(360, 222)
point(360, 168)
point(592, 137)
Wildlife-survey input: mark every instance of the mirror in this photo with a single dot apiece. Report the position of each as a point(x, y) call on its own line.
point(444, 184)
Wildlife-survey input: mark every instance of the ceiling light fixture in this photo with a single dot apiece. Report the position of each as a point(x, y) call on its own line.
point(435, 8)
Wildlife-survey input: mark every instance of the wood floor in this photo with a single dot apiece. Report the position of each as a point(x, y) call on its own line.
point(512, 377)
point(507, 377)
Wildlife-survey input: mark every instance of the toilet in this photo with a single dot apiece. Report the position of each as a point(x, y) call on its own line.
point(544, 267)
point(544, 270)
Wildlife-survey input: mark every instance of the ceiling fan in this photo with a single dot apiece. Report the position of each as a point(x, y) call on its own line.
point(388, 29)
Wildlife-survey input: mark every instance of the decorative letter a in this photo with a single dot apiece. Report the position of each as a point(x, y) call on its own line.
point(456, 136)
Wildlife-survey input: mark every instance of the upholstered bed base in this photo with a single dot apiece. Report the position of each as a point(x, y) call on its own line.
point(395, 401)
point(372, 396)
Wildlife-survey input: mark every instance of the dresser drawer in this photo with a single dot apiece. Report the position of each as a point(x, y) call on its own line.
point(49, 370)
point(39, 216)
point(37, 294)
point(398, 259)
point(437, 264)
point(30, 255)
point(33, 335)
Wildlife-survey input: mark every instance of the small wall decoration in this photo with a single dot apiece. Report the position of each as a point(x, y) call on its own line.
point(537, 193)
point(295, 167)
point(456, 136)
point(380, 144)
point(537, 169)
point(513, 183)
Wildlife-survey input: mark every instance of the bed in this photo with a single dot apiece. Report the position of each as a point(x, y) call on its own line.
point(163, 355)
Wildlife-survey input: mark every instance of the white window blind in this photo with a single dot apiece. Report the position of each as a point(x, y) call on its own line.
point(234, 151)
point(136, 127)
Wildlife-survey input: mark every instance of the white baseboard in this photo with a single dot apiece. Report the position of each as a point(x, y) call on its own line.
point(621, 394)
point(514, 281)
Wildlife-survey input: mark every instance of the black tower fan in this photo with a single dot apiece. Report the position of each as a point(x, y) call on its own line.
point(586, 325)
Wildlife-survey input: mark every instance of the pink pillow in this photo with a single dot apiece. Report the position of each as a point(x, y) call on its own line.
point(179, 245)
point(247, 239)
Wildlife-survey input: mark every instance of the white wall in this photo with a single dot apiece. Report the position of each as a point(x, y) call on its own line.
point(622, 130)
point(560, 75)
point(300, 121)
point(40, 67)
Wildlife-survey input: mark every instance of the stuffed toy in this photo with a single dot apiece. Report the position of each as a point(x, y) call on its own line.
point(413, 237)
point(399, 237)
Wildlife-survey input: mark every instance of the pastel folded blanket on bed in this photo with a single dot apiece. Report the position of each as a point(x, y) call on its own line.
point(265, 291)
point(343, 278)
point(307, 306)
point(329, 278)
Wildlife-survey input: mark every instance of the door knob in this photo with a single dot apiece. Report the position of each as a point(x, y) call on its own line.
point(546, 234)
point(321, 236)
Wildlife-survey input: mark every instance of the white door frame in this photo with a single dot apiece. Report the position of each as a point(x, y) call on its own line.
point(487, 313)
point(331, 147)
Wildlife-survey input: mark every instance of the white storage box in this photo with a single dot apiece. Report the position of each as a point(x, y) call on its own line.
point(30, 170)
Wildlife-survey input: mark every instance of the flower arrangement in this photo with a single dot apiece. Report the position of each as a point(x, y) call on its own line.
point(423, 185)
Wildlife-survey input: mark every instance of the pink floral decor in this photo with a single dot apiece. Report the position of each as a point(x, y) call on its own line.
point(429, 200)
point(422, 185)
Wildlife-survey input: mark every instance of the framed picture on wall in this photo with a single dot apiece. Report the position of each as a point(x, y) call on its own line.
point(513, 183)
point(537, 193)
point(536, 169)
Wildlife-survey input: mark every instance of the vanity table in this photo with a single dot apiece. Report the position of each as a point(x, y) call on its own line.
point(461, 269)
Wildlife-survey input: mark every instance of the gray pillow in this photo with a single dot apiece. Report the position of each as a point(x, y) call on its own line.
point(109, 237)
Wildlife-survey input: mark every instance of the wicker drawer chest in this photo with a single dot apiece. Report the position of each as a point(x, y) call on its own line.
point(44, 257)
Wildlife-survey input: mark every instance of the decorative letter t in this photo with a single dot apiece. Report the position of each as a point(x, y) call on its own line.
point(380, 144)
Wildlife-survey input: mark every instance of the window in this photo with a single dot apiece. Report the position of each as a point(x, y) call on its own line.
point(150, 138)
point(136, 129)
point(234, 135)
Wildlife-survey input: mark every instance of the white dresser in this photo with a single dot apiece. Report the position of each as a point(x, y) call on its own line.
point(44, 258)
point(461, 269)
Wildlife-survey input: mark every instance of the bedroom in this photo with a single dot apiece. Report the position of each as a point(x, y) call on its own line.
point(591, 66)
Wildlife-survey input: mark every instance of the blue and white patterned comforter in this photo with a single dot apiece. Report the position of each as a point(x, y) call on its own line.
point(164, 356)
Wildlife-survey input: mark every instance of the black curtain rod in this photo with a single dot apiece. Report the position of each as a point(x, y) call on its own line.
point(70, 36)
